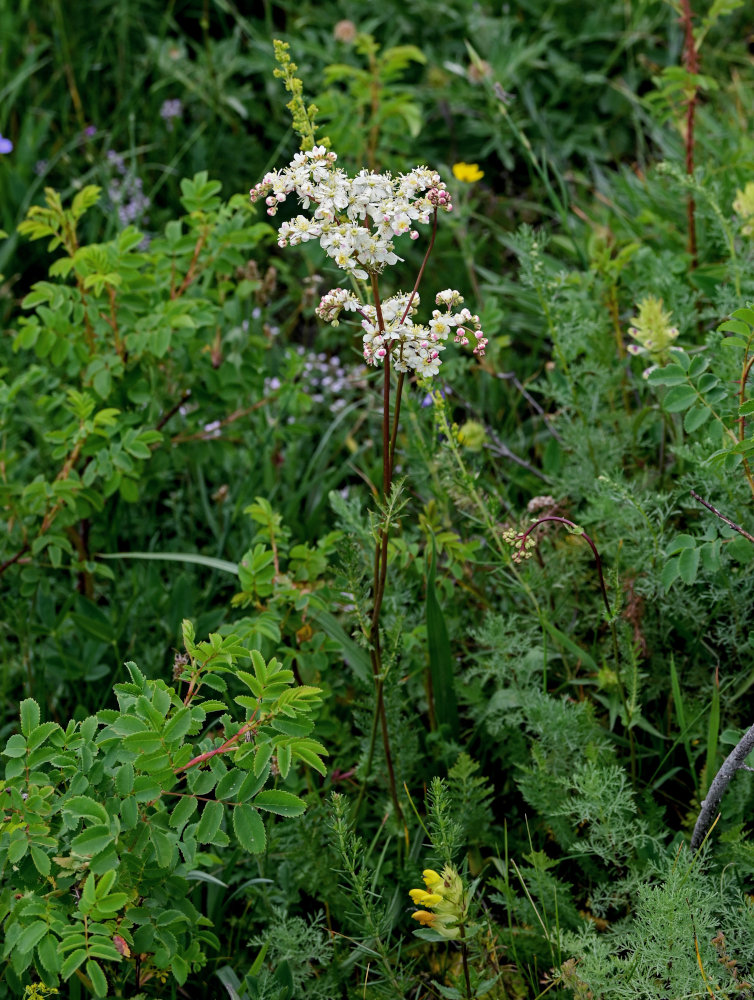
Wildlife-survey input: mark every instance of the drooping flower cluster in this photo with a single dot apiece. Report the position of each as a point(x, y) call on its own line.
point(446, 898)
point(355, 219)
point(392, 332)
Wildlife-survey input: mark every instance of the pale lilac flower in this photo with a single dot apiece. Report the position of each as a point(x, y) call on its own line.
point(6, 146)
point(171, 109)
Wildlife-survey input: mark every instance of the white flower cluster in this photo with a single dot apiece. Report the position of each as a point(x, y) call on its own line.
point(391, 332)
point(355, 220)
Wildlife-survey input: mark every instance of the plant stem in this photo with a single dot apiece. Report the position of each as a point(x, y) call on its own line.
point(691, 64)
point(465, 961)
point(603, 589)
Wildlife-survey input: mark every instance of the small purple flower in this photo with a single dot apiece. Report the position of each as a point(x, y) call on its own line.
point(6, 146)
point(90, 130)
point(171, 109)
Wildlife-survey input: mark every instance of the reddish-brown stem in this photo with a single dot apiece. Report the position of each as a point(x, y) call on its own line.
point(420, 275)
point(113, 321)
point(742, 395)
point(587, 539)
point(176, 293)
point(691, 63)
point(229, 744)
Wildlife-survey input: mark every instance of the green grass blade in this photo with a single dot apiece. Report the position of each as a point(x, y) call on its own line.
point(713, 731)
point(442, 681)
point(183, 557)
point(356, 657)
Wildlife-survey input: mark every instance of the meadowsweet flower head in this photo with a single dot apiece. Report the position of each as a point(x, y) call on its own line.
point(357, 221)
point(467, 172)
point(652, 331)
point(445, 901)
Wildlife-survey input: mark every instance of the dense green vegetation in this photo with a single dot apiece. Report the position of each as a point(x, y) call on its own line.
point(378, 572)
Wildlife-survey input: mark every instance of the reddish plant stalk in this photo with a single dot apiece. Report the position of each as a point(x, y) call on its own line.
point(691, 64)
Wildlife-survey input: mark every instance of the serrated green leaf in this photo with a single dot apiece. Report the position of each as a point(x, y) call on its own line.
point(670, 572)
point(47, 949)
point(41, 860)
point(695, 417)
point(38, 736)
point(91, 841)
point(177, 727)
point(110, 904)
point(280, 802)
point(83, 806)
point(29, 716)
point(310, 758)
point(678, 398)
point(105, 884)
point(249, 828)
point(688, 565)
point(16, 746)
point(284, 760)
point(209, 824)
point(97, 976)
point(72, 963)
point(124, 779)
point(183, 811)
point(30, 936)
point(251, 784)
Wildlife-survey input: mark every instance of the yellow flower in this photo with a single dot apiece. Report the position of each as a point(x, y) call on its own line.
point(446, 897)
point(422, 898)
point(467, 172)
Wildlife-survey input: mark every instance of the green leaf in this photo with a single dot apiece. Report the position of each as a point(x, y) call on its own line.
point(678, 398)
point(47, 949)
point(442, 693)
point(38, 736)
point(179, 725)
point(16, 746)
point(688, 565)
point(249, 828)
point(356, 657)
point(29, 716)
point(83, 806)
point(209, 824)
point(183, 811)
point(41, 860)
point(280, 802)
point(124, 779)
point(72, 963)
point(97, 976)
point(696, 416)
point(670, 572)
point(564, 640)
point(180, 969)
point(91, 841)
point(31, 936)
point(109, 905)
point(183, 557)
